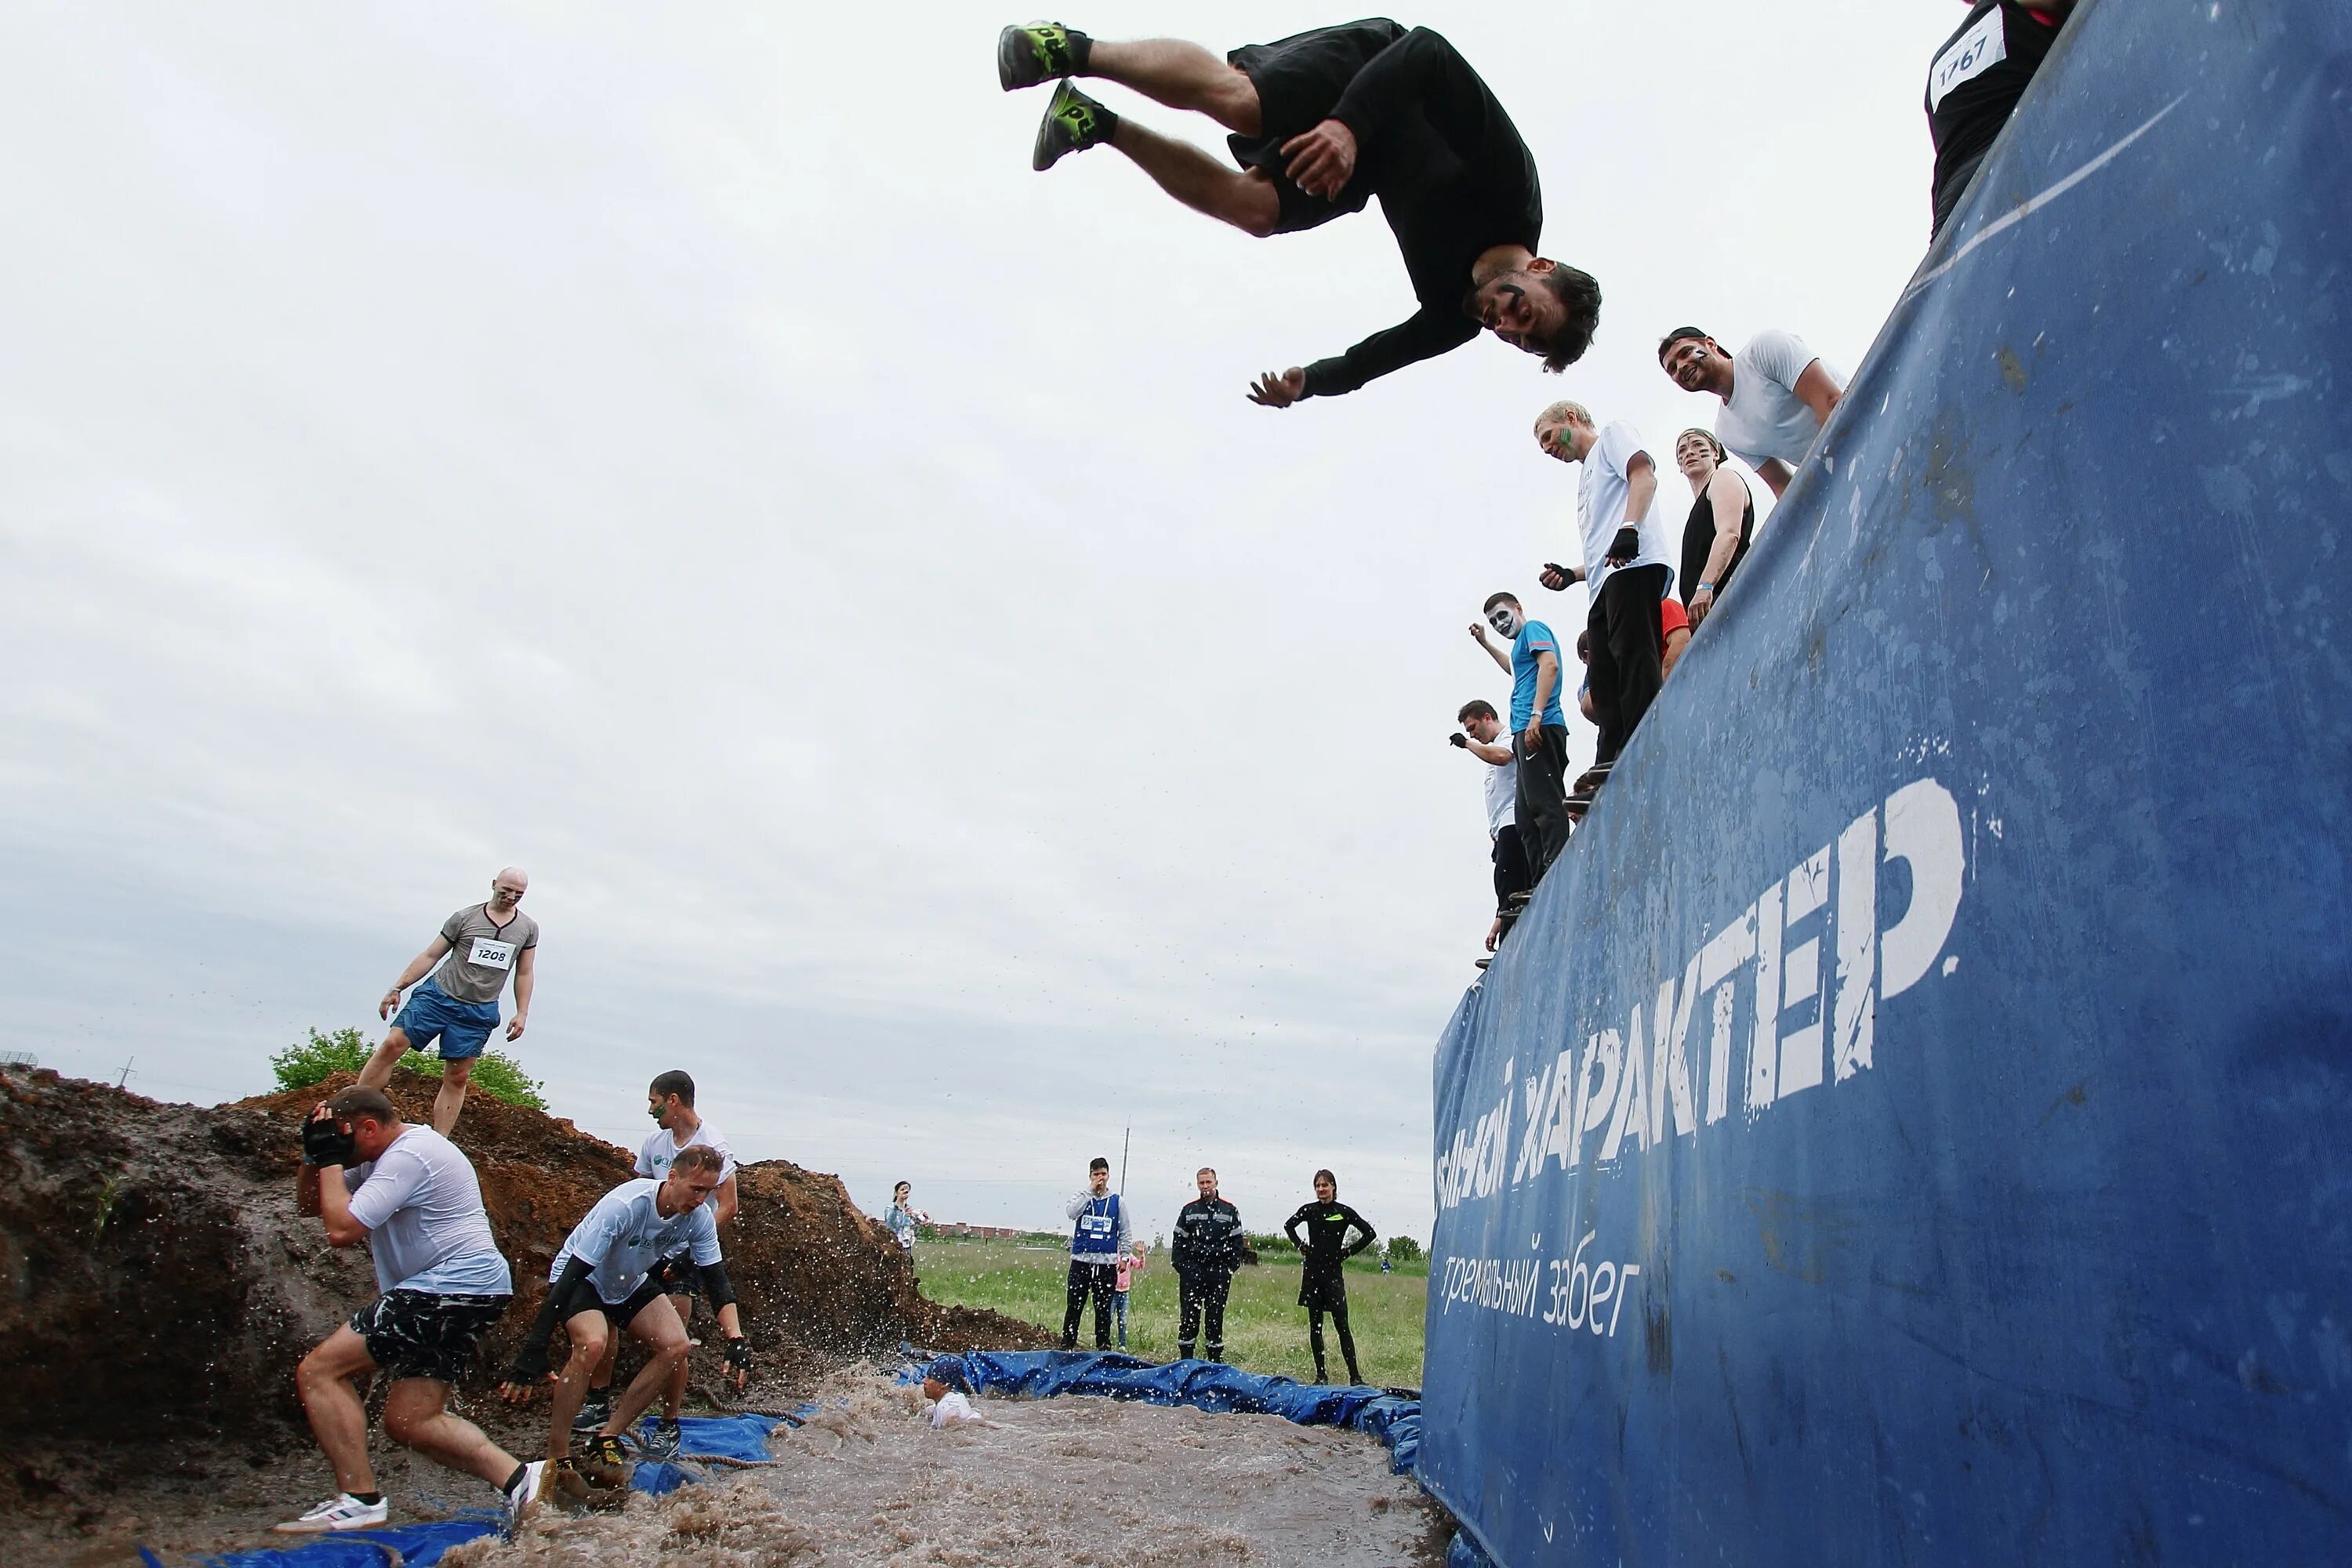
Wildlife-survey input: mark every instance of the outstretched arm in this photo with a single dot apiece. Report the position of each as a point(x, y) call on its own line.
point(1426, 334)
point(418, 967)
point(1479, 630)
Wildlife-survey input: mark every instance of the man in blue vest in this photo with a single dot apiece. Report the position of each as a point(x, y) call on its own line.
point(1098, 1236)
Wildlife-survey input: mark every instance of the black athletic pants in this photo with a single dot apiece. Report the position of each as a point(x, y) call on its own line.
point(1628, 651)
point(1512, 872)
point(1542, 806)
point(1200, 1297)
point(1099, 1280)
point(1346, 1340)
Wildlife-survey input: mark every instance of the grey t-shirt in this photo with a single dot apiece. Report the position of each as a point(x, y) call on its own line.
point(426, 1228)
point(482, 953)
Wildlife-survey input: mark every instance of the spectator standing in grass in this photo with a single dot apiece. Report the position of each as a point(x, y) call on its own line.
point(1131, 1264)
point(1206, 1250)
point(458, 1006)
point(902, 1216)
point(1323, 1285)
point(1098, 1237)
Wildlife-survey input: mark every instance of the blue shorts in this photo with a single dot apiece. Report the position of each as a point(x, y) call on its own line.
point(462, 1028)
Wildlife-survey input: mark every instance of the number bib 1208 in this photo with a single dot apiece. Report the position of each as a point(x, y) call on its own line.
point(490, 954)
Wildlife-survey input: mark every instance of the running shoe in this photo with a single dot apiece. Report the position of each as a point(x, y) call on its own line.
point(1036, 53)
point(662, 1442)
point(525, 1497)
point(594, 1413)
point(342, 1512)
point(1073, 123)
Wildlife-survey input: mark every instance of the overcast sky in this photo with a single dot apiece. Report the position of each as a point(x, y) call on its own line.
point(686, 452)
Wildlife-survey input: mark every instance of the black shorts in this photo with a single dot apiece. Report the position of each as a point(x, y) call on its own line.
point(622, 1315)
point(1298, 81)
point(1325, 1292)
point(416, 1333)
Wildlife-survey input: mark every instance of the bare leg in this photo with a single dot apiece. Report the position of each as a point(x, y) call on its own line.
point(378, 1070)
point(674, 1397)
point(1247, 201)
point(590, 1335)
point(657, 1328)
point(1181, 75)
point(415, 1416)
point(338, 1419)
point(450, 1097)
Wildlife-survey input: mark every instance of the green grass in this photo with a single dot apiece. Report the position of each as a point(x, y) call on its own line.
point(1265, 1329)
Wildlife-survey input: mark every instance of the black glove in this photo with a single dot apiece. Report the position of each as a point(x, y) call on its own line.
point(1457, 740)
point(1627, 546)
point(324, 1143)
point(531, 1363)
point(739, 1355)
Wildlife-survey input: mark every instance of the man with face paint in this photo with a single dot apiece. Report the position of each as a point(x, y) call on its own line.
point(1776, 394)
point(1321, 123)
point(1625, 568)
point(1539, 730)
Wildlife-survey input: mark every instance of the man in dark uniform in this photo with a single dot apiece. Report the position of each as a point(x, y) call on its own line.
point(1322, 1286)
point(1321, 123)
point(1976, 79)
point(1206, 1250)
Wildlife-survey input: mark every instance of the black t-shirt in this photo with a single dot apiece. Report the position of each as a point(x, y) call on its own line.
point(1325, 1246)
point(1698, 542)
point(1454, 180)
point(1975, 80)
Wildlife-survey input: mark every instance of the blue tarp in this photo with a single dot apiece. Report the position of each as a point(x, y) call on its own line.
point(1907, 1124)
point(743, 1437)
point(1205, 1385)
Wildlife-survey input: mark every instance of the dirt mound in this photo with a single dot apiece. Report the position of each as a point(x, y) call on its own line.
point(153, 1273)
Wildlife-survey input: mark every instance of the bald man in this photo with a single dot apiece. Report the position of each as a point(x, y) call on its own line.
point(458, 1006)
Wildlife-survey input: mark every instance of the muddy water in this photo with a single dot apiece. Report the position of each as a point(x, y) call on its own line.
point(1057, 1482)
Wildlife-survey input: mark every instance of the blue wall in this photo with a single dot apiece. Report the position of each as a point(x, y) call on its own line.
point(1911, 1124)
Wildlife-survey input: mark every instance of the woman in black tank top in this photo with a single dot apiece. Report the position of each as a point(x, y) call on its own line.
point(1700, 457)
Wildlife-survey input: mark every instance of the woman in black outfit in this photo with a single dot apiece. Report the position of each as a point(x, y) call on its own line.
point(1722, 522)
point(1322, 1286)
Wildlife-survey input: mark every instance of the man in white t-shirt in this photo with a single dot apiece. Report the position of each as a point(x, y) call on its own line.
point(603, 1280)
point(1776, 394)
point(1625, 570)
point(413, 1197)
point(1481, 735)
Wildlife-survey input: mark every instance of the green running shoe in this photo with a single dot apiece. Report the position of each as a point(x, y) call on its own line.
point(1038, 52)
point(1073, 123)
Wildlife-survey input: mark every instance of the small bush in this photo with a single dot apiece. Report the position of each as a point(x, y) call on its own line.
point(496, 1073)
point(1271, 1243)
point(1405, 1249)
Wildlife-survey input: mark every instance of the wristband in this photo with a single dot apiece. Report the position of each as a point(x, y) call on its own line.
point(1706, 588)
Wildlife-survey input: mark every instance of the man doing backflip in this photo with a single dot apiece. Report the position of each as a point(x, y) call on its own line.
point(1206, 1250)
point(604, 1280)
point(1321, 124)
point(1323, 1285)
point(458, 1006)
point(413, 1197)
point(1098, 1238)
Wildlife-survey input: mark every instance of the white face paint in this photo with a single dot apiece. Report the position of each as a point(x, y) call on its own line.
point(1505, 618)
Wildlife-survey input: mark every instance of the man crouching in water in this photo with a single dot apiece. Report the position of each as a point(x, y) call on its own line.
point(413, 1197)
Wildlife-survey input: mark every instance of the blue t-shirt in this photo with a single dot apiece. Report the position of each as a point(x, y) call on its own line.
point(1535, 638)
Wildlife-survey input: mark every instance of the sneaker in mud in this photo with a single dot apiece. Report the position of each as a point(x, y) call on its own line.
point(662, 1442)
point(524, 1499)
point(342, 1512)
point(594, 1413)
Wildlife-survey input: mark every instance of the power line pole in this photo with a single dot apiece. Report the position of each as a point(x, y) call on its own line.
point(125, 1079)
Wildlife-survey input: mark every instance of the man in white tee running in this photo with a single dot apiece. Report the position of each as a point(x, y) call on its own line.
point(413, 1197)
point(1776, 394)
point(603, 1279)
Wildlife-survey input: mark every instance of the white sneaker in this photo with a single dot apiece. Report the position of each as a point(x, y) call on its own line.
point(525, 1497)
point(342, 1512)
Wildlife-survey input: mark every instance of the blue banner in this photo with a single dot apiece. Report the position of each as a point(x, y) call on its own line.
point(1906, 1125)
